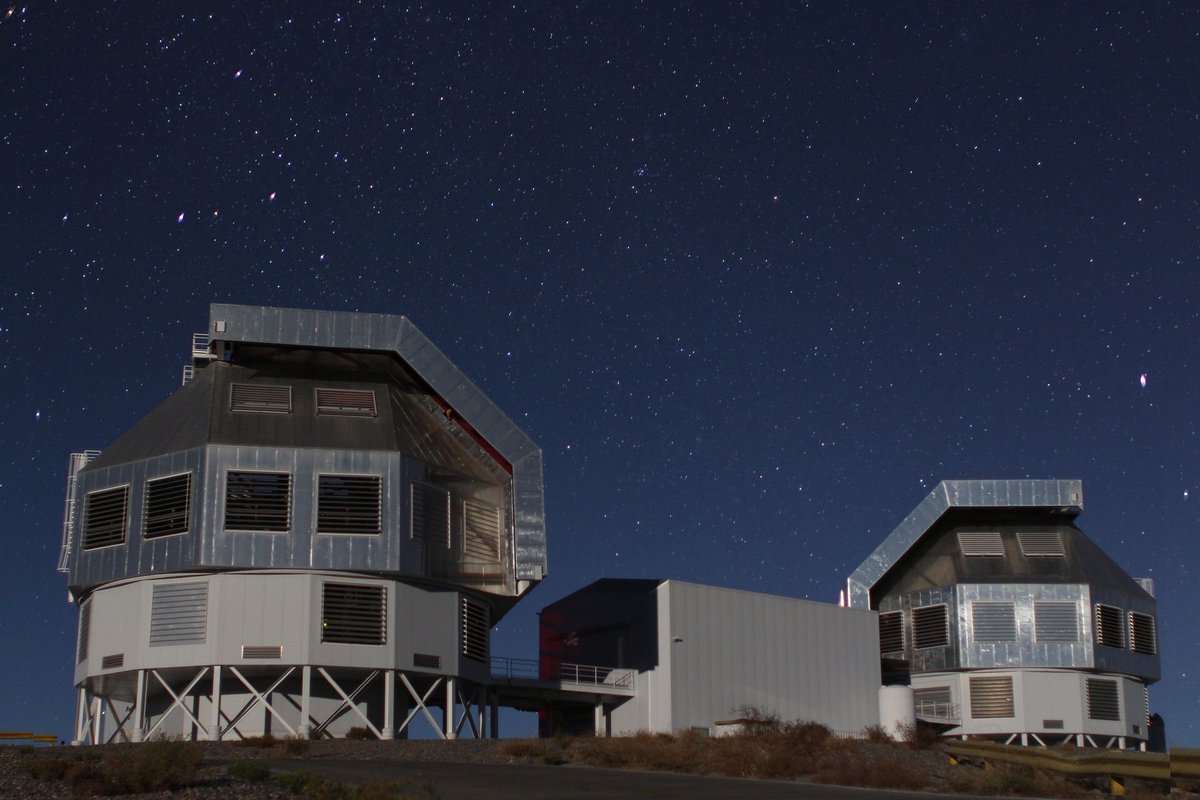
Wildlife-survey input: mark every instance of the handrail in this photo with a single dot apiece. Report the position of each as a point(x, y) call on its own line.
point(583, 674)
point(937, 710)
point(78, 461)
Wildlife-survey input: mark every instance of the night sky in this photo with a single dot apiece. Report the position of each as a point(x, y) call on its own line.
point(755, 276)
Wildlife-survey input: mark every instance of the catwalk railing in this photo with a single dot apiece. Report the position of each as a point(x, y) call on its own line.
point(581, 674)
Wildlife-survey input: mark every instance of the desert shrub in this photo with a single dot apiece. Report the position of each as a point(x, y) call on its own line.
point(296, 745)
point(87, 779)
point(248, 771)
point(1012, 780)
point(877, 734)
point(358, 733)
point(878, 769)
point(264, 741)
point(919, 736)
point(154, 766)
point(524, 748)
point(46, 769)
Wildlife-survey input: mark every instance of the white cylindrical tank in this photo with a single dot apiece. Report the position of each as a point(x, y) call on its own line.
point(896, 710)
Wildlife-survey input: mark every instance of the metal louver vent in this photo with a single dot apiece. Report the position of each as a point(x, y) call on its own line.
point(85, 631)
point(891, 632)
point(481, 530)
point(430, 513)
point(1142, 638)
point(353, 613)
point(346, 403)
point(1055, 621)
point(1041, 543)
point(258, 501)
point(1110, 626)
point(427, 661)
point(179, 613)
point(994, 622)
point(348, 504)
point(106, 518)
point(1103, 700)
point(981, 543)
point(992, 697)
point(262, 651)
point(931, 627)
point(260, 399)
point(475, 629)
point(168, 506)
point(115, 661)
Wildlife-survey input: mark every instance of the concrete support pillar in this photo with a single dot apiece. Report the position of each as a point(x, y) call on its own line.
point(494, 728)
point(80, 717)
point(448, 712)
point(139, 708)
point(305, 727)
point(389, 705)
point(97, 721)
point(214, 729)
point(1024, 740)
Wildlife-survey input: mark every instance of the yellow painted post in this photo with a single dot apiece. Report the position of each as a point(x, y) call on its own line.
point(1116, 785)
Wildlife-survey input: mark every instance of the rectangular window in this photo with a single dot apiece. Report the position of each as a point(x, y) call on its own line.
point(260, 399)
point(258, 501)
point(1142, 636)
point(345, 403)
point(1110, 626)
point(348, 504)
point(475, 629)
point(994, 622)
point(168, 506)
point(106, 518)
point(1055, 621)
point(481, 530)
point(1103, 700)
point(430, 513)
point(980, 543)
point(353, 613)
point(992, 697)
point(891, 632)
point(179, 613)
point(931, 627)
point(1041, 543)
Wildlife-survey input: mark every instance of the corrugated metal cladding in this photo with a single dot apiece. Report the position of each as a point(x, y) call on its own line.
point(730, 649)
point(396, 334)
point(1059, 495)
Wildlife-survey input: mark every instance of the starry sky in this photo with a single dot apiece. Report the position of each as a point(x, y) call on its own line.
point(755, 276)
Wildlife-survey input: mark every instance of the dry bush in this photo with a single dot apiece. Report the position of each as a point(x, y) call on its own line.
point(45, 769)
point(920, 737)
point(296, 745)
point(264, 741)
point(1012, 780)
point(879, 769)
point(359, 733)
point(659, 751)
point(154, 766)
point(877, 734)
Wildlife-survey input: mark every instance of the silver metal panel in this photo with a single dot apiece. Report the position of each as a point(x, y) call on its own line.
point(396, 334)
point(1025, 651)
point(1050, 494)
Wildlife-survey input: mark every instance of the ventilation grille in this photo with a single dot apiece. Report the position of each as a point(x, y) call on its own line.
point(994, 622)
point(262, 651)
point(475, 628)
point(353, 613)
point(106, 518)
point(179, 613)
point(261, 399)
point(430, 513)
point(345, 403)
point(85, 631)
point(113, 662)
point(1048, 543)
point(427, 661)
point(258, 501)
point(930, 627)
point(481, 530)
point(1052, 724)
point(1142, 637)
point(981, 543)
point(348, 504)
point(1055, 621)
point(168, 506)
point(1110, 626)
point(991, 697)
point(1103, 701)
point(891, 632)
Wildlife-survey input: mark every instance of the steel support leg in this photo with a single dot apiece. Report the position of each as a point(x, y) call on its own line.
point(389, 705)
point(448, 711)
point(139, 710)
point(305, 727)
point(214, 731)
